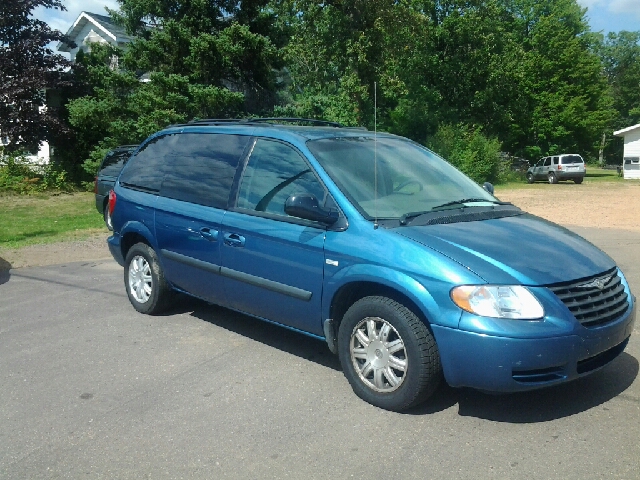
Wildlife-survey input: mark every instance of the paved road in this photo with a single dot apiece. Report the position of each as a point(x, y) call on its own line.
point(91, 389)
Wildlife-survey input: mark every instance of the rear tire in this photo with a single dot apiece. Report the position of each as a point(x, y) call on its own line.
point(147, 289)
point(578, 180)
point(388, 354)
point(552, 178)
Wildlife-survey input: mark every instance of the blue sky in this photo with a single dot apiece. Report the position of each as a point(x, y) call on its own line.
point(604, 15)
point(613, 15)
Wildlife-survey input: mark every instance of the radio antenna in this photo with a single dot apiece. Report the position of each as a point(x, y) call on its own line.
point(375, 155)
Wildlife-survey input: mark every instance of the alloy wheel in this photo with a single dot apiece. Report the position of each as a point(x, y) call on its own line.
point(378, 354)
point(140, 280)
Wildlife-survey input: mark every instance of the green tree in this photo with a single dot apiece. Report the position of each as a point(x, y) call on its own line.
point(338, 51)
point(468, 149)
point(522, 70)
point(620, 54)
point(568, 105)
point(124, 110)
point(27, 69)
point(210, 59)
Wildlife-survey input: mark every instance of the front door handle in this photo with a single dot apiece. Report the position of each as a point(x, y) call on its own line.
point(211, 235)
point(234, 240)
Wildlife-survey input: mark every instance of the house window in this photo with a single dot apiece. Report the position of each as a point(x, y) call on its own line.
point(632, 163)
point(113, 65)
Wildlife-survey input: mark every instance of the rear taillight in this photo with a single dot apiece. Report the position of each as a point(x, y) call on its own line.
point(112, 201)
point(559, 167)
point(95, 185)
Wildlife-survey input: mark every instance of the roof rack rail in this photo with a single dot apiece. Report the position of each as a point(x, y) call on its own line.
point(259, 120)
point(312, 121)
point(215, 121)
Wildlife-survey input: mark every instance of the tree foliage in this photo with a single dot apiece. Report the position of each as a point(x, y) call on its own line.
point(524, 76)
point(522, 70)
point(28, 67)
point(195, 59)
point(620, 54)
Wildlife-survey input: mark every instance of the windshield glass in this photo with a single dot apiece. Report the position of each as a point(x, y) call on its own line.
point(405, 179)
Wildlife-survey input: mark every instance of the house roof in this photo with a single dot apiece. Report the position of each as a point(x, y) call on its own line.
point(102, 23)
point(621, 133)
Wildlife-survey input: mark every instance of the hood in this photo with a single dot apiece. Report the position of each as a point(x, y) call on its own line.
point(524, 249)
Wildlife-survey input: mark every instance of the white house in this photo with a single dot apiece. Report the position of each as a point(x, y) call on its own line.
point(631, 162)
point(93, 28)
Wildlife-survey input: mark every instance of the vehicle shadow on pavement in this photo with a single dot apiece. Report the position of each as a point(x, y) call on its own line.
point(542, 405)
point(4, 271)
point(295, 343)
point(526, 407)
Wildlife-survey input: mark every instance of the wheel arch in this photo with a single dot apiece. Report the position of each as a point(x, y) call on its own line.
point(351, 292)
point(132, 233)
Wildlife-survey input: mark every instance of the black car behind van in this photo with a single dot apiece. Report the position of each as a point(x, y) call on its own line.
point(106, 177)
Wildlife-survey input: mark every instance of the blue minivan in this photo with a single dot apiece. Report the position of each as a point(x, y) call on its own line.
point(409, 270)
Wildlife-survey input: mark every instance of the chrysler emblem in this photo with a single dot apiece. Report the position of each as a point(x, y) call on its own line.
point(599, 283)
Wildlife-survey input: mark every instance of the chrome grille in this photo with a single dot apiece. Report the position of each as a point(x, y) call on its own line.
point(594, 301)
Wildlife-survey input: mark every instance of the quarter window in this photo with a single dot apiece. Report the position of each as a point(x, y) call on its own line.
point(274, 172)
point(145, 170)
point(200, 168)
point(191, 167)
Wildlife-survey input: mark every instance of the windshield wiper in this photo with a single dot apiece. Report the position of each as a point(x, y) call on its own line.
point(411, 215)
point(407, 217)
point(469, 200)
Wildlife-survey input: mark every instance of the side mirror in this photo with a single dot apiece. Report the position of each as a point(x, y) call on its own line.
point(306, 206)
point(488, 187)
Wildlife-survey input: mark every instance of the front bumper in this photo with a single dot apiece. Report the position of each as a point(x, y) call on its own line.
point(505, 364)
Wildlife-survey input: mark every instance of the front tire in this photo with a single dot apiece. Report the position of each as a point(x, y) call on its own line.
point(388, 354)
point(530, 178)
point(147, 289)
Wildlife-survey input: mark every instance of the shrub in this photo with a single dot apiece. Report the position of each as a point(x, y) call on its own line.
point(469, 150)
point(18, 175)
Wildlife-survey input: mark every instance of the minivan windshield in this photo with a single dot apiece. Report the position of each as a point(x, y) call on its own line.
point(392, 178)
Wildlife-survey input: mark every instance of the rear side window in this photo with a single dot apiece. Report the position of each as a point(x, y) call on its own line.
point(200, 167)
point(192, 167)
point(547, 161)
point(569, 159)
point(145, 170)
point(555, 160)
point(113, 162)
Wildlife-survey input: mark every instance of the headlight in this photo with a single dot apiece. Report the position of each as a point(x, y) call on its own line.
point(498, 301)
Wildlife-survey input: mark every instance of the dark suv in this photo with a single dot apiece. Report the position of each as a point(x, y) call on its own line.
point(408, 269)
point(108, 172)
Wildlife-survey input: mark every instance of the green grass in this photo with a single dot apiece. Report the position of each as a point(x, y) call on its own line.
point(600, 175)
point(30, 219)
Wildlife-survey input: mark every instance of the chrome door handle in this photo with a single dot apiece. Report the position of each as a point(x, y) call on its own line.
point(211, 235)
point(234, 240)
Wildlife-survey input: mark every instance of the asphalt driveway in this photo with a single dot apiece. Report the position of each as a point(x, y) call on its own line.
point(89, 388)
